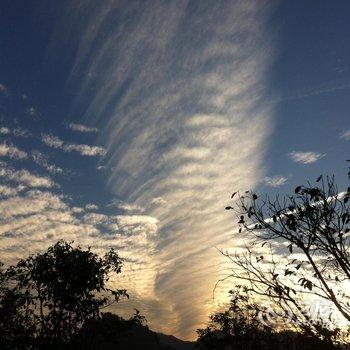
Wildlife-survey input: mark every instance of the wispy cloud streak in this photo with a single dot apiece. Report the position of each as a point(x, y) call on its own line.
point(275, 181)
point(84, 150)
point(81, 128)
point(305, 157)
point(42, 160)
point(18, 132)
point(24, 177)
point(345, 135)
point(11, 151)
point(179, 87)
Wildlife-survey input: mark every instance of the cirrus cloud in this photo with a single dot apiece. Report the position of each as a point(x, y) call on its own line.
point(84, 150)
point(42, 160)
point(345, 135)
point(305, 157)
point(8, 150)
point(24, 177)
point(179, 90)
point(275, 181)
point(82, 128)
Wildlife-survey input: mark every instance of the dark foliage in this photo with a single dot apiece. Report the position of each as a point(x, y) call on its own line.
point(53, 301)
point(105, 332)
point(46, 298)
point(241, 327)
point(313, 222)
point(110, 332)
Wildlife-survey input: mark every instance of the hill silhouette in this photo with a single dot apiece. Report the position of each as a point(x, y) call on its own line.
point(141, 337)
point(111, 331)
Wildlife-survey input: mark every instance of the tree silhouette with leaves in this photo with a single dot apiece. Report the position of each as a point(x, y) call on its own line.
point(307, 239)
point(244, 325)
point(237, 327)
point(109, 331)
point(46, 298)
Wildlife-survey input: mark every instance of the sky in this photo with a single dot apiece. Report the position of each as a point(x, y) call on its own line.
point(128, 124)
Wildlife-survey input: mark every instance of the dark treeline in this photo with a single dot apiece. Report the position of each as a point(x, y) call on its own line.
point(55, 299)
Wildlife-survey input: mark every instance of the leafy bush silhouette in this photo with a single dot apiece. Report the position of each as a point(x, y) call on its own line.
point(45, 299)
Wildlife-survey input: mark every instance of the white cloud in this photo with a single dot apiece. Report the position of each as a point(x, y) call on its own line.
point(8, 191)
point(345, 135)
point(116, 203)
point(52, 141)
point(95, 218)
point(81, 128)
point(39, 201)
point(42, 160)
point(190, 126)
point(127, 221)
point(3, 88)
point(85, 150)
point(32, 221)
point(158, 201)
point(7, 150)
point(91, 206)
point(78, 210)
point(275, 181)
point(305, 157)
point(4, 131)
point(19, 132)
point(24, 177)
point(16, 132)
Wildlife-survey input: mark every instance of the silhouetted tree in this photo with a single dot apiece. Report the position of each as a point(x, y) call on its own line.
point(243, 326)
point(16, 326)
point(238, 327)
point(307, 234)
point(46, 298)
point(105, 332)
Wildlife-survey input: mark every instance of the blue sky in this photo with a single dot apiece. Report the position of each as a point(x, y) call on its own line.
point(311, 76)
point(129, 123)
